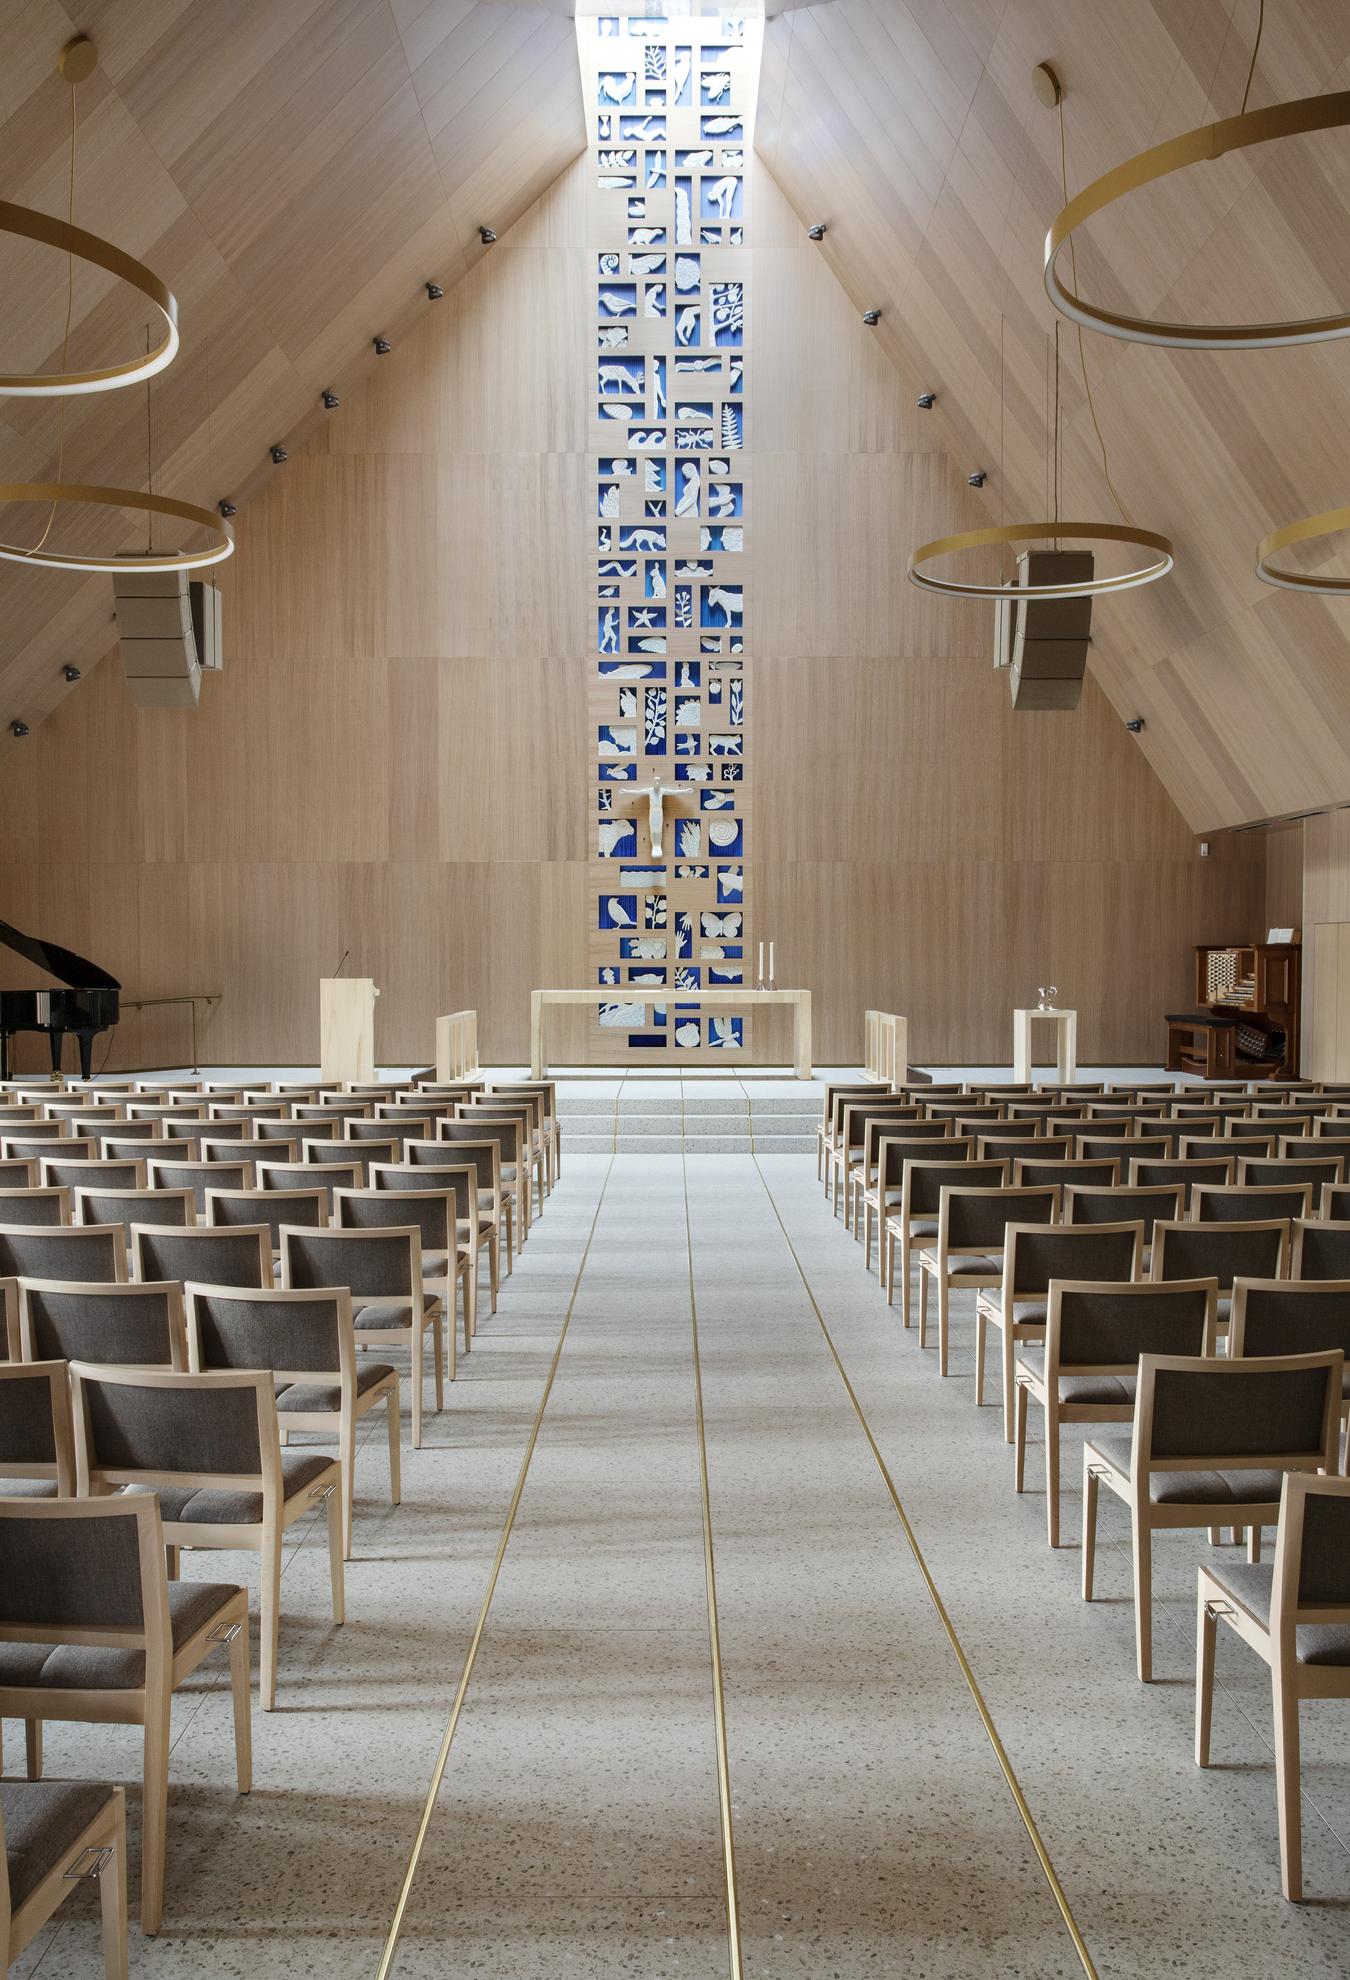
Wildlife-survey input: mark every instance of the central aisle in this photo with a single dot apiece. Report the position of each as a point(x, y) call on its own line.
point(579, 1825)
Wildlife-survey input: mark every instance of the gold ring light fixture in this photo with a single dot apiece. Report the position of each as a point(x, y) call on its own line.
point(1328, 523)
point(77, 61)
point(60, 493)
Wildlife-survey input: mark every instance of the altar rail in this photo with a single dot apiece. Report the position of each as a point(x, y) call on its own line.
point(886, 1047)
point(457, 1045)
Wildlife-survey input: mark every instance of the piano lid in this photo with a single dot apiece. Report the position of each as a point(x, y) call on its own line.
point(71, 969)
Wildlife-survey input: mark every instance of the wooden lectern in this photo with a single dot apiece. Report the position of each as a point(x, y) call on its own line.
point(347, 1027)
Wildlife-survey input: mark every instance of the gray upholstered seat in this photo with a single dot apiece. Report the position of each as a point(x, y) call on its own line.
point(313, 1397)
point(41, 1820)
point(1029, 1312)
point(1252, 1587)
point(390, 1314)
point(94, 1667)
point(1198, 1488)
point(1106, 1390)
point(209, 1506)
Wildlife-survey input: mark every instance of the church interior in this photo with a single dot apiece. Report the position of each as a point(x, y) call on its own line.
point(674, 1067)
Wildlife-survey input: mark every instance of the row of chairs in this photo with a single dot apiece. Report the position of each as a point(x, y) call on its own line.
point(1110, 1307)
point(160, 1367)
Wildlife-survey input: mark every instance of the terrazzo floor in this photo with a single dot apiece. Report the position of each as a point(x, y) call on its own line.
point(577, 1830)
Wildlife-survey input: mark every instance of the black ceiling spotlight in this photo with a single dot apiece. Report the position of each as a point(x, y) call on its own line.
point(70, 674)
point(382, 346)
point(871, 316)
point(279, 455)
point(977, 479)
point(818, 232)
point(18, 729)
point(487, 235)
point(331, 401)
point(926, 401)
point(227, 508)
point(1135, 724)
point(434, 291)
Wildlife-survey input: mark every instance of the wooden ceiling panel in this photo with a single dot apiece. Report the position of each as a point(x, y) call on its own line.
point(295, 170)
point(1242, 688)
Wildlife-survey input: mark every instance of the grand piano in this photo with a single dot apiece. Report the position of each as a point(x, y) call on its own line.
point(86, 1005)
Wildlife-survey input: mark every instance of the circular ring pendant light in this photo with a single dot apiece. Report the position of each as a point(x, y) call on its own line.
point(1281, 120)
point(57, 493)
point(44, 227)
point(1085, 532)
point(1302, 531)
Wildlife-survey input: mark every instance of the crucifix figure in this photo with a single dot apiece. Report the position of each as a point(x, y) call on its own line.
point(656, 797)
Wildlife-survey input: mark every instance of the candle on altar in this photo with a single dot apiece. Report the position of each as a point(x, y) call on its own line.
point(761, 962)
point(771, 962)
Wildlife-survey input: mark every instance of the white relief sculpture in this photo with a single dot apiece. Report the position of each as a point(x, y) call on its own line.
point(691, 483)
point(613, 335)
point(609, 630)
point(653, 800)
point(686, 326)
point(686, 273)
point(618, 88)
point(684, 216)
point(679, 81)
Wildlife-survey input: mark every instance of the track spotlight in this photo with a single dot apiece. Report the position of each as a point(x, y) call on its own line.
point(331, 401)
point(871, 316)
point(926, 401)
point(70, 674)
point(487, 235)
point(1135, 724)
point(227, 508)
point(977, 479)
point(382, 346)
point(434, 291)
point(279, 455)
point(18, 728)
point(816, 233)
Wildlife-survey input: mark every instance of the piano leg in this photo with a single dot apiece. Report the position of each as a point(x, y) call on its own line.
point(5, 1042)
point(86, 1043)
point(54, 1039)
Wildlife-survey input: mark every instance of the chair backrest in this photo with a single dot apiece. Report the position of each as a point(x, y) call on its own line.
point(1188, 1250)
point(925, 1179)
point(89, 1175)
point(36, 1148)
point(973, 1219)
point(433, 1211)
point(462, 1180)
point(143, 1426)
point(17, 1173)
point(374, 1264)
point(247, 1155)
point(1262, 1130)
point(489, 1150)
point(1289, 1316)
point(288, 1134)
point(49, 1205)
point(1046, 1171)
point(140, 1324)
point(134, 1206)
point(352, 1154)
point(415, 1127)
point(1035, 1253)
point(1104, 1327)
point(1311, 1579)
point(858, 1115)
point(1106, 1206)
point(238, 1257)
point(72, 1570)
point(1197, 1413)
point(273, 1207)
point(295, 1334)
point(247, 1110)
point(159, 1110)
point(309, 1175)
point(1321, 1247)
point(1117, 1148)
point(1031, 1129)
point(91, 1251)
point(155, 1148)
point(898, 1147)
point(1221, 1204)
point(970, 1110)
point(36, 1440)
point(1152, 1174)
point(199, 1177)
point(876, 1125)
point(1259, 1173)
point(508, 1135)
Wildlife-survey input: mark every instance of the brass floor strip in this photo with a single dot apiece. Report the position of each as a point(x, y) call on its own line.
point(734, 1966)
point(986, 1717)
point(442, 1758)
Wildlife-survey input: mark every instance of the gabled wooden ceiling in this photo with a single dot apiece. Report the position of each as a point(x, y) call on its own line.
point(910, 127)
point(296, 171)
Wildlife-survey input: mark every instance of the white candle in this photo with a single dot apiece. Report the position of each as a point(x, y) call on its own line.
point(761, 962)
point(771, 962)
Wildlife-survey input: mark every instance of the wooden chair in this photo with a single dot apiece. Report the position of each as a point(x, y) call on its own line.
point(847, 1157)
point(37, 1445)
point(138, 1325)
point(93, 1174)
point(469, 1142)
point(1049, 1171)
point(209, 1448)
point(135, 1206)
point(832, 1120)
point(1291, 1316)
point(158, 1148)
point(17, 1174)
point(1124, 1200)
point(1187, 1250)
point(883, 1197)
point(1033, 1255)
point(1150, 1174)
point(307, 1340)
point(288, 1134)
point(476, 1227)
point(94, 1251)
point(310, 1175)
point(1095, 1333)
point(383, 1271)
point(1211, 1440)
point(861, 1160)
point(240, 1256)
point(527, 1157)
point(1221, 1204)
point(510, 1089)
point(274, 1207)
point(408, 1127)
point(1321, 1246)
point(916, 1222)
point(1296, 1616)
point(1117, 1148)
point(92, 1630)
point(48, 1205)
point(245, 1155)
point(199, 1177)
point(1259, 1173)
point(497, 1100)
point(53, 1836)
point(968, 1253)
point(449, 1267)
point(346, 1153)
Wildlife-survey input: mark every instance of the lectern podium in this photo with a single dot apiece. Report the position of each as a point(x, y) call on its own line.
point(347, 1027)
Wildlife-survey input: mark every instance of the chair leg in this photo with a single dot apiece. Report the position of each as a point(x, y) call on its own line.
point(391, 1416)
point(243, 1710)
point(867, 1235)
point(981, 1344)
point(906, 1308)
point(347, 1454)
point(154, 1811)
point(944, 1320)
point(1089, 1527)
point(494, 1266)
point(1206, 1630)
point(415, 1371)
point(1141, 1539)
point(1254, 1545)
point(470, 1301)
point(509, 1216)
point(923, 1307)
point(1020, 1441)
point(438, 1341)
point(1007, 1332)
point(269, 1618)
point(112, 1899)
point(1287, 1779)
point(333, 1507)
point(1051, 1471)
point(32, 1740)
